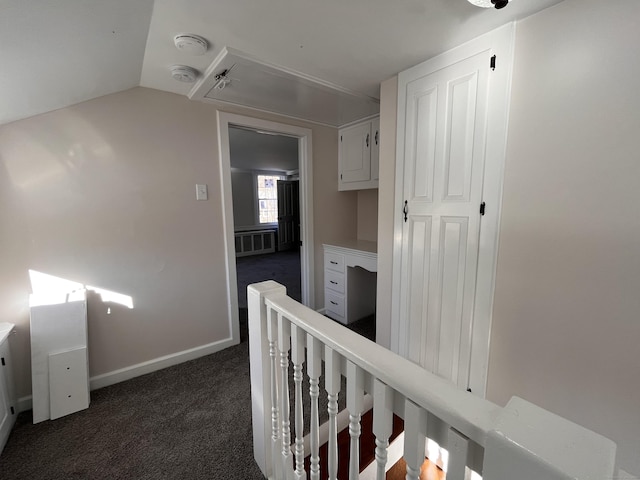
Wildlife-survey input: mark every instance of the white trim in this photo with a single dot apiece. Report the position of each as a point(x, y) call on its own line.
point(127, 373)
point(223, 103)
point(204, 85)
point(133, 371)
point(305, 162)
point(499, 42)
point(25, 403)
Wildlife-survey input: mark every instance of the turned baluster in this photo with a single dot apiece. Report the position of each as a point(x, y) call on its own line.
point(314, 370)
point(332, 386)
point(382, 424)
point(297, 357)
point(355, 400)
point(284, 338)
point(272, 335)
point(415, 430)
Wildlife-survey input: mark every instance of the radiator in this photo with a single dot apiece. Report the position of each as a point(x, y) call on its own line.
point(255, 242)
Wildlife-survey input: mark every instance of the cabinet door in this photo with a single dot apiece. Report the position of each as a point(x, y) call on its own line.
point(443, 172)
point(355, 153)
point(375, 148)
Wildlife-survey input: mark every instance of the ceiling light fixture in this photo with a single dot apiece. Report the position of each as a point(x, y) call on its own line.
point(191, 44)
point(183, 73)
point(489, 3)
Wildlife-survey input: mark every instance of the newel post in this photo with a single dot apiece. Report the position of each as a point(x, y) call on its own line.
point(260, 371)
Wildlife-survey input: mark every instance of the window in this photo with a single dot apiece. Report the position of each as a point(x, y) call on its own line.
point(268, 198)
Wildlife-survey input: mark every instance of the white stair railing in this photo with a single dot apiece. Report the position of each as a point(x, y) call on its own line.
point(517, 442)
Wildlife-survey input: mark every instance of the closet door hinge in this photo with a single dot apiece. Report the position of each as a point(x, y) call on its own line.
point(492, 64)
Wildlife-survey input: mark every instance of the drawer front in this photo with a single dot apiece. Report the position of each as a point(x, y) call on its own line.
point(334, 261)
point(334, 281)
point(334, 303)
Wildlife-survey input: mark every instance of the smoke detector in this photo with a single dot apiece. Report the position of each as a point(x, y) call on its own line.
point(191, 44)
point(182, 73)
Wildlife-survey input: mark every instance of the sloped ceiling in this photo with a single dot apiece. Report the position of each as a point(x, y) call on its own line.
point(57, 53)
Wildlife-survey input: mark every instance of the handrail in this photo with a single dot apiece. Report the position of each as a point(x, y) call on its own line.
point(519, 440)
point(471, 415)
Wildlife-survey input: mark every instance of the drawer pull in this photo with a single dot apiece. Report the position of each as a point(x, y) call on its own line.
point(333, 302)
point(331, 281)
point(333, 263)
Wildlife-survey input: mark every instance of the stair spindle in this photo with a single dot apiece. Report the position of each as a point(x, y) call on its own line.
point(458, 446)
point(382, 424)
point(284, 338)
point(415, 430)
point(314, 370)
point(332, 386)
point(275, 416)
point(355, 400)
point(297, 357)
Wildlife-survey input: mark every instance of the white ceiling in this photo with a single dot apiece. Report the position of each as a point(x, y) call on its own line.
point(251, 150)
point(57, 53)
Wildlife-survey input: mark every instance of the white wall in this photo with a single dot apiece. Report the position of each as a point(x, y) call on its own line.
point(367, 221)
point(103, 193)
point(566, 321)
point(244, 199)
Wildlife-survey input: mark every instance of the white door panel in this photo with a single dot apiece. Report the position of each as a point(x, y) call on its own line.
point(451, 142)
point(444, 157)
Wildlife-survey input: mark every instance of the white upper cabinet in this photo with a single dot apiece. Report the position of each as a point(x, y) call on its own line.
point(358, 156)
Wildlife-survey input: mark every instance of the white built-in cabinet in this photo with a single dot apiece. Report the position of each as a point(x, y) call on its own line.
point(8, 407)
point(358, 155)
point(452, 119)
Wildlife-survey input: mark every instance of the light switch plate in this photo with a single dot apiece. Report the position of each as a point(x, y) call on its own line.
point(201, 192)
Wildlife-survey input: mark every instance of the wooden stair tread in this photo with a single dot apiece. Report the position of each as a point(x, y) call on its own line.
point(428, 471)
point(367, 446)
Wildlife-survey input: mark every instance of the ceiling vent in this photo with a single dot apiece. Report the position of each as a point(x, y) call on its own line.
point(191, 44)
point(182, 73)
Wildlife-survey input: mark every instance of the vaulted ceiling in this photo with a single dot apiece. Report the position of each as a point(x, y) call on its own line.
point(60, 52)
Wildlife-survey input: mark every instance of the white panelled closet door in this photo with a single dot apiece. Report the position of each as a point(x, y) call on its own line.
point(444, 145)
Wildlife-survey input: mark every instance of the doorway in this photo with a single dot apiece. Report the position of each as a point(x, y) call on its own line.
point(302, 138)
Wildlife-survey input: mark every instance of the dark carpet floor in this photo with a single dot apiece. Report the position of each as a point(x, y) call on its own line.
point(188, 422)
point(283, 267)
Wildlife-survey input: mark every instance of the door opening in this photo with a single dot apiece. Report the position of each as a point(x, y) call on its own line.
point(255, 215)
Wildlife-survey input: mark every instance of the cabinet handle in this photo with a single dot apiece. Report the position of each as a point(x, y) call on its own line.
point(334, 302)
point(334, 263)
point(367, 139)
point(376, 138)
point(331, 281)
point(405, 210)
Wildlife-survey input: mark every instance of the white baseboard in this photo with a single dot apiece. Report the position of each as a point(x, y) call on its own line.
point(25, 403)
point(127, 373)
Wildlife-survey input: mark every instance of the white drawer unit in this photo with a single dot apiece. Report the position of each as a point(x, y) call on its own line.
point(334, 281)
point(350, 280)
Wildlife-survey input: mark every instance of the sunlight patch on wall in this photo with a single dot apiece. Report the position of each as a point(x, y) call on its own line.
point(50, 290)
